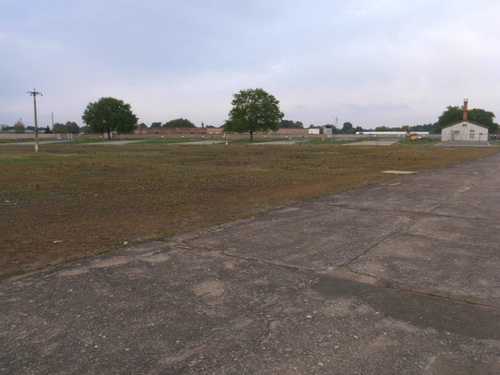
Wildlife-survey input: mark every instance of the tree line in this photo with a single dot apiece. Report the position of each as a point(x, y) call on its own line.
point(253, 110)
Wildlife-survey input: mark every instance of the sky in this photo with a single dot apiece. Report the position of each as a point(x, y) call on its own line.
point(368, 62)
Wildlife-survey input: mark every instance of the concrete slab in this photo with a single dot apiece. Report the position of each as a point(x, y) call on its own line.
point(464, 143)
point(395, 278)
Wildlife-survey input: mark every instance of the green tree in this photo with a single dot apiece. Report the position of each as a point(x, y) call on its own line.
point(47, 130)
point(179, 123)
point(483, 117)
point(19, 127)
point(424, 128)
point(289, 124)
point(109, 114)
point(86, 129)
point(346, 128)
point(156, 125)
point(455, 114)
point(59, 128)
point(72, 127)
point(253, 110)
point(383, 129)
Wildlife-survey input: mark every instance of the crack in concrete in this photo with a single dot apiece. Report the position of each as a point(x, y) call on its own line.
point(373, 244)
point(339, 273)
point(411, 214)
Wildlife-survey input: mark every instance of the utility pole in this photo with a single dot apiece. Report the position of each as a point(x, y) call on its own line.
point(34, 93)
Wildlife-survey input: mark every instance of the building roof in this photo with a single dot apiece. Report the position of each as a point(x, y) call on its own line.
point(469, 121)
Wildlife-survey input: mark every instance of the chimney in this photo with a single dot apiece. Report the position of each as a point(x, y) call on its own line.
point(465, 108)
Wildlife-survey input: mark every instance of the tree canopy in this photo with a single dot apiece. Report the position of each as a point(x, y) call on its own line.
point(179, 123)
point(72, 127)
point(346, 128)
point(289, 124)
point(253, 110)
point(455, 114)
point(59, 128)
point(109, 114)
point(19, 127)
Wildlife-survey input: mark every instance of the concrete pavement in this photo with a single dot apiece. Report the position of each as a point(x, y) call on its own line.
point(399, 277)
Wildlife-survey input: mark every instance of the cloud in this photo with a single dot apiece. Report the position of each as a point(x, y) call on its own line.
point(369, 62)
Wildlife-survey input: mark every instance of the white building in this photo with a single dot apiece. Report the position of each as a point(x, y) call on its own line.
point(465, 130)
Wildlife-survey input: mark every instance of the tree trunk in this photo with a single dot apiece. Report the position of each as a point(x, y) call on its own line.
point(109, 134)
point(251, 136)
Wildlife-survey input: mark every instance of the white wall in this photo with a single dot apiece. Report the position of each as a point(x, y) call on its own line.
point(464, 131)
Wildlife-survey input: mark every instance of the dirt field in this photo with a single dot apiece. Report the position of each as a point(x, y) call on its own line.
point(73, 201)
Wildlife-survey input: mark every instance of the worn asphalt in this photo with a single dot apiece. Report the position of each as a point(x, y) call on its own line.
point(399, 277)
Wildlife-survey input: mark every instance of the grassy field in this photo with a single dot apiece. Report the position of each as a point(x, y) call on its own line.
point(74, 200)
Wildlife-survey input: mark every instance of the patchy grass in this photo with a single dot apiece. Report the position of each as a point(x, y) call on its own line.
point(255, 140)
point(163, 141)
point(71, 201)
point(420, 141)
point(335, 141)
point(21, 140)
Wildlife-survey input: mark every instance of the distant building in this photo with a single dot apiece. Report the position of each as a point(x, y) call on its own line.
point(314, 130)
point(465, 130)
point(328, 129)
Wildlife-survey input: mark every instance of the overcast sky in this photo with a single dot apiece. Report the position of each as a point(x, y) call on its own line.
point(369, 62)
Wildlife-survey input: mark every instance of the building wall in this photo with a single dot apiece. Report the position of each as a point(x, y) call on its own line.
point(464, 131)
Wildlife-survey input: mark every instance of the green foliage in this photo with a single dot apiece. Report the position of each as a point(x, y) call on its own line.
point(346, 128)
point(424, 128)
point(289, 124)
point(108, 115)
point(59, 128)
point(72, 127)
point(19, 127)
point(86, 129)
point(179, 123)
point(254, 110)
point(47, 130)
point(455, 114)
point(156, 125)
point(384, 129)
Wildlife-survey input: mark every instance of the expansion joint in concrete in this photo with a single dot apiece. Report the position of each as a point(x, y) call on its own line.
point(394, 285)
